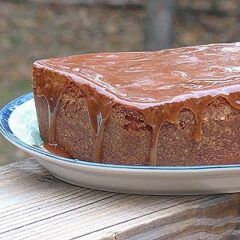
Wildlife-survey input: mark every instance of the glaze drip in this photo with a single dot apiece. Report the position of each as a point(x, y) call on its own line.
point(53, 102)
point(54, 148)
point(156, 117)
point(52, 118)
point(159, 84)
point(99, 111)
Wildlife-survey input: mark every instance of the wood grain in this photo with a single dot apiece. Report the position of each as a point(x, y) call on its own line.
point(36, 205)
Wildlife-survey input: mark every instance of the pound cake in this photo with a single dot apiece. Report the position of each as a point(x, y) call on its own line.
point(175, 107)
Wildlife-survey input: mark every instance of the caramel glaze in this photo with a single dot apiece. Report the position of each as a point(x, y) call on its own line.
point(54, 148)
point(99, 110)
point(159, 84)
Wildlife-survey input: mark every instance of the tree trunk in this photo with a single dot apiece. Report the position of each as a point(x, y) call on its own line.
point(159, 24)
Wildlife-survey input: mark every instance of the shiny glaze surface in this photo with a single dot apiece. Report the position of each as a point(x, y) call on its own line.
point(160, 84)
point(145, 79)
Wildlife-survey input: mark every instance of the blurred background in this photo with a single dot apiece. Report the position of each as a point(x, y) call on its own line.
point(31, 30)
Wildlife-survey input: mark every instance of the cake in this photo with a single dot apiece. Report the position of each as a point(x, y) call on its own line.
point(175, 107)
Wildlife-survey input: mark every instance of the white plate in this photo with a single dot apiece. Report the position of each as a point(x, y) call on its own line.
point(18, 124)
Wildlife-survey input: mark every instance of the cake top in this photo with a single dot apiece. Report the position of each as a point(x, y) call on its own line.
point(154, 78)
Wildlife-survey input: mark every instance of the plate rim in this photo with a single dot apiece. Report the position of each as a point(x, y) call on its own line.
point(7, 133)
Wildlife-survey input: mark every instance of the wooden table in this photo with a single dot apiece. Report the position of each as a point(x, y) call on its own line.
point(36, 205)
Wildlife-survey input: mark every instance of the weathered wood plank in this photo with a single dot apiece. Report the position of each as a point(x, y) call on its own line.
point(35, 205)
point(185, 221)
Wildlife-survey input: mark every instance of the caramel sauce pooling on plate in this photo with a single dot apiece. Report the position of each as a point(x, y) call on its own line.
point(159, 84)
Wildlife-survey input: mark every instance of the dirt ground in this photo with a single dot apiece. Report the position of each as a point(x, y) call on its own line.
point(30, 31)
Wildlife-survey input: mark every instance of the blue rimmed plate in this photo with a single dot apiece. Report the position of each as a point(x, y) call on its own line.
point(18, 124)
